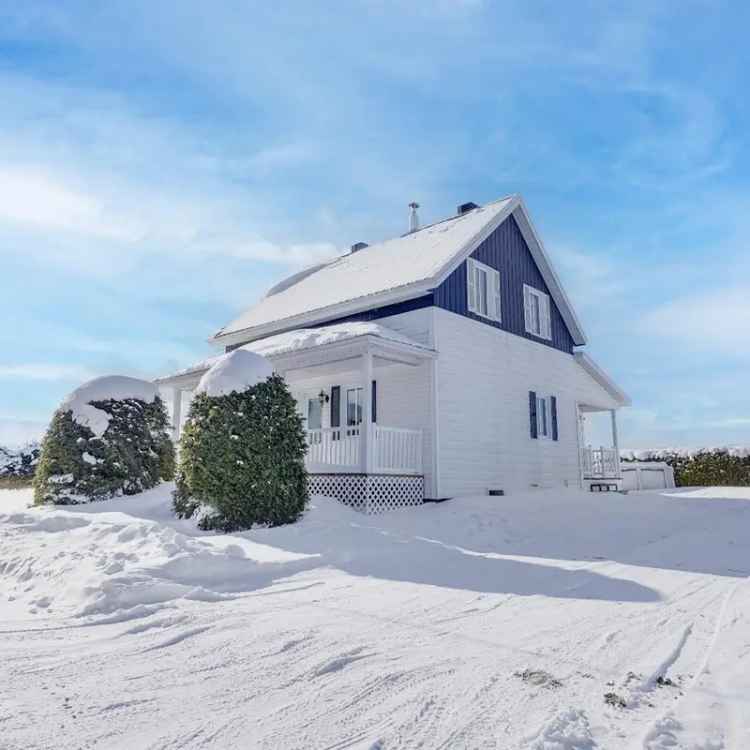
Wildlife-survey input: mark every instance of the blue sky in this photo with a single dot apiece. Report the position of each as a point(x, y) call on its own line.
point(161, 164)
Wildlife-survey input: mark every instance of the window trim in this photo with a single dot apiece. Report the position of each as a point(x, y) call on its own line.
point(545, 314)
point(493, 297)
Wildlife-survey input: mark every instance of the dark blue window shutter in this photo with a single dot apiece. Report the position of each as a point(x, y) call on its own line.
point(553, 409)
point(336, 406)
point(532, 415)
point(374, 405)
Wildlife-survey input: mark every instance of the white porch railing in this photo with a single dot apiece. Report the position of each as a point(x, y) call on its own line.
point(333, 447)
point(600, 462)
point(338, 449)
point(397, 450)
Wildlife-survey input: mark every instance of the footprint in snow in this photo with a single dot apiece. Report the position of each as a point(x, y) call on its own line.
point(338, 663)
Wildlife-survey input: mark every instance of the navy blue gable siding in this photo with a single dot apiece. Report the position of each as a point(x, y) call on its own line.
point(505, 250)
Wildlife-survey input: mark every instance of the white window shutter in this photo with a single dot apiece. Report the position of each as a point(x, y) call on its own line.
point(471, 285)
point(527, 309)
point(497, 308)
point(545, 324)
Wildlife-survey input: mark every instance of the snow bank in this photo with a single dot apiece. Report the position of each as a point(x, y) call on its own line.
point(402, 630)
point(236, 371)
point(85, 564)
point(112, 387)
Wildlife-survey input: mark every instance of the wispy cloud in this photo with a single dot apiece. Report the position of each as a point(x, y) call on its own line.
point(50, 372)
point(716, 321)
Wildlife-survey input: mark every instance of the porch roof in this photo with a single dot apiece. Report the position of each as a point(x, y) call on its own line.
point(336, 340)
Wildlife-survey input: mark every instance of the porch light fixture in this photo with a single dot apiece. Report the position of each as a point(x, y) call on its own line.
point(323, 397)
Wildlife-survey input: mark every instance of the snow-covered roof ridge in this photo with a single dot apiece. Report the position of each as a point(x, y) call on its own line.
point(401, 267)
point(302, 339)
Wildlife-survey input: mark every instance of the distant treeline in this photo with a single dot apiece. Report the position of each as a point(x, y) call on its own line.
point(703, 467)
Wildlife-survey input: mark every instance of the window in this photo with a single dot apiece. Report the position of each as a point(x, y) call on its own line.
point(537, 312)
point(483, 290)
point(542, 411)
point(543, 417)
point(353, 406)
point(314, 414)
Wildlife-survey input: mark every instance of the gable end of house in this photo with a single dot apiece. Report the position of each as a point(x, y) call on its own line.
point(506, 251)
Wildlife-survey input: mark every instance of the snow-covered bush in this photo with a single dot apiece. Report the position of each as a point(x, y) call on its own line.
point(242, 449)
point(704, 467)
point(109, 437)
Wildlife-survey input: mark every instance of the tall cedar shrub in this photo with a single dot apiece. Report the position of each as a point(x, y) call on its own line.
point(134, 454)
point(242, 459)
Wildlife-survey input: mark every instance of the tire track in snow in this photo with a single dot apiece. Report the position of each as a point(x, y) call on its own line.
point(661, 732)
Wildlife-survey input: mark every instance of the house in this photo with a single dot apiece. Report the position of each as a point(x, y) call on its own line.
point(444, 362)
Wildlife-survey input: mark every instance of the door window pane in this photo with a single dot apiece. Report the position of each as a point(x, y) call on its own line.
point(314, 414)
point(353, 407)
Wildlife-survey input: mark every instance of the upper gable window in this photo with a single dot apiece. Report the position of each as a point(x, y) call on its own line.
point(483, 290)
point(537, 312)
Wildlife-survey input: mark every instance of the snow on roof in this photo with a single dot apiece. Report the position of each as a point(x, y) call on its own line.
point(236, 371)
point(398, 262)
point(116, 387)
point(305, 338)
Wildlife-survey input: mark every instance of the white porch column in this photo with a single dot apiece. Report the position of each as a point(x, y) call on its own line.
point(365, 428)
point(615, 439)
point(176, 412)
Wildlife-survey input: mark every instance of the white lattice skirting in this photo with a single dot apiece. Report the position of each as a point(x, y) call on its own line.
point(369, 493)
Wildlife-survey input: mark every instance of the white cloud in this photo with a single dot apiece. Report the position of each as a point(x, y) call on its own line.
point(718, 321)
point(50, 372)
point(16, 432)
point(30, 196)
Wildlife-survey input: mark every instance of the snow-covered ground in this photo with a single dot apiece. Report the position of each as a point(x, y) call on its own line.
point(477, 623)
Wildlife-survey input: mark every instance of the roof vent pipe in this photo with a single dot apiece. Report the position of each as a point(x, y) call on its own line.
point(413, 217)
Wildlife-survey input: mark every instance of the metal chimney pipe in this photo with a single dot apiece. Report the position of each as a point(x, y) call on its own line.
point(413, 217)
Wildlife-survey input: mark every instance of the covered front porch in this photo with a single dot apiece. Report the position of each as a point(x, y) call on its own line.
point(599, 461)
point(364, 394)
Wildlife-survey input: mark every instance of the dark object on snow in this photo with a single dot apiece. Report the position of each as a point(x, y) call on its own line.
point(539, 677)
point(133, 454)
point(665, 682)
point(612, 699)
point(242, 458)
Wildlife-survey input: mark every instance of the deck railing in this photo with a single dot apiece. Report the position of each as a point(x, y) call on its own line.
point(600, 462)
point(337, 449)
point(397, 450)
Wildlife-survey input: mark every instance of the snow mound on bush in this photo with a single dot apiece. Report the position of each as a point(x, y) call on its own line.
point(236, 371)
point(111, 387)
